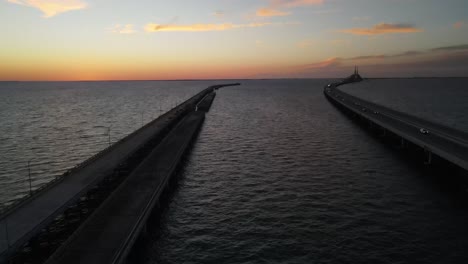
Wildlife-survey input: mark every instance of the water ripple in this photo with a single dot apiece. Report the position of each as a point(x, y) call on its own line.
point(57, 125)
point(278, 175)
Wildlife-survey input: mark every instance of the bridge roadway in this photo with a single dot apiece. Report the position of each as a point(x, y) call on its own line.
point(26, 219)
point(108, 234)
point(445, 142)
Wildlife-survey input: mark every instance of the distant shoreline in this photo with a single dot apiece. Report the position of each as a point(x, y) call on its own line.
point(244, 79)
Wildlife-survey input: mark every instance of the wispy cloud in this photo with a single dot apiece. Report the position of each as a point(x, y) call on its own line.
point(51, 8)
point(340, 42)
point(383, 28)
point(326, 11)
point(411, 53)
point(268, 12)
point(275, 6)
point(305, 43)
point(440, 61)
point(458, 24)
point(452, 48)
point(219, 14)
point(294, 3)
point(362, 18)
point(123, 29)
point(151, 27)
point(330, 62)
point(386, 56)
point(259, 44)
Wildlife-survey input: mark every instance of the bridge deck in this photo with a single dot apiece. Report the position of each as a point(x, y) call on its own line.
point(446, 142)
point(28, 218)
point(108, 234)
point(205, 103)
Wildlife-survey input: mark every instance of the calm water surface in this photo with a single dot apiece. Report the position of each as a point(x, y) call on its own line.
point(56, 125)
point(277, 175)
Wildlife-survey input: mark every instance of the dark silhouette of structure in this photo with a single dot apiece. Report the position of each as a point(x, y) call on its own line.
point(355, 77)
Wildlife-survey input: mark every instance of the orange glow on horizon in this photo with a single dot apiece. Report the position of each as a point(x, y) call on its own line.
point(60, 72)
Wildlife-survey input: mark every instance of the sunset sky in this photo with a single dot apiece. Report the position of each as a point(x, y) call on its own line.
point(231, 39)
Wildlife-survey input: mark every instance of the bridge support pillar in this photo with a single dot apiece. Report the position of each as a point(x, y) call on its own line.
point(384, 132)
point(403, 143)
point(427, 156)
point(144, 231)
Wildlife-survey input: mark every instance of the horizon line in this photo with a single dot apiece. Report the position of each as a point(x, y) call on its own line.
point(273, 78)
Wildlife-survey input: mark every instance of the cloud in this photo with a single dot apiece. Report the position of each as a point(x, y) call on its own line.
point(294, 3)
point(325, 12)
point(340, 42)
point(275, 6)
point(151, 27)
point(441, 61)
point(452, 48)
point(411, 53)
point(51, 8)
point(330, 62)
point(458, 24)
point(259, 44)
point(434, 66)
point(362, 18)
point(383, 28)
point(450, 61)
point(123, 29)
point(268, 12)
point(219, 14)
point(385, 56)
point(305, 43)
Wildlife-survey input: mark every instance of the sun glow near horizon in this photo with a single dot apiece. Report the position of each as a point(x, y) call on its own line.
point(91, 40)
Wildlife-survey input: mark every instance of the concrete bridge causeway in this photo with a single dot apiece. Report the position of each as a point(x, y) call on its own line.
point(109, 233)
point(435, 139)
point(116, 222)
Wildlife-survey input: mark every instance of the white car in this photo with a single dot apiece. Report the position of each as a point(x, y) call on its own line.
point(423, 131)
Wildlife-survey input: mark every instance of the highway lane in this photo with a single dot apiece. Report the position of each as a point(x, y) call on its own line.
point(448, 132)
point(109, 233)
point(445, 142)
point(28, 218)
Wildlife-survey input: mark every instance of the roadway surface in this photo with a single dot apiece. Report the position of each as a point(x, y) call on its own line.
point(109, 233)
point(446, 142)
point(205, 103)
point(28, 218)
